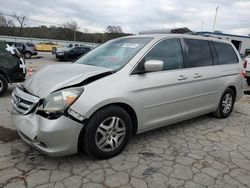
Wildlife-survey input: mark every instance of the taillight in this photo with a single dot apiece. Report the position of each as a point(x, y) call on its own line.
point(243, 73)
point(245, 64)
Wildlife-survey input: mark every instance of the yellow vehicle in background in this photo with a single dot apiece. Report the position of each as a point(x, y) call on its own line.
point(47, 46)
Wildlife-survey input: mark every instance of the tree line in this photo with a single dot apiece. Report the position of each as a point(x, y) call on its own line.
point(67, 31)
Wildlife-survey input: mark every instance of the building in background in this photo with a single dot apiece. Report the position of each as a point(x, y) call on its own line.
point(242, 43)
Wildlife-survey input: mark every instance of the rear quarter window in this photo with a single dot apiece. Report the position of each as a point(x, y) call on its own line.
point(225, 53)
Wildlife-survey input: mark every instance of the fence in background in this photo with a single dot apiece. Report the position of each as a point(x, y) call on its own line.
point(42, 40)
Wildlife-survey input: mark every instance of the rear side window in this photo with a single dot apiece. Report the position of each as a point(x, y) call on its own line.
point(225, 53)
point(199, 53)
point(169, 51)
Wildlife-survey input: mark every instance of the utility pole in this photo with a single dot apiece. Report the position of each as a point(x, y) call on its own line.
point(75, 32)
point(215, 17)
point(74, 35)
point(202, 24)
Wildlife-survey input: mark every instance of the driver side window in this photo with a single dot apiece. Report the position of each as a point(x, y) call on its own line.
point(169, 51)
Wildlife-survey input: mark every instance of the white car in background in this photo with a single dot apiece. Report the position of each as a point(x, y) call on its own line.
point(248, 69)
point(67, 47)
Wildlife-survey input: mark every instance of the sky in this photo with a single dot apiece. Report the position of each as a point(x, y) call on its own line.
point(136, 15)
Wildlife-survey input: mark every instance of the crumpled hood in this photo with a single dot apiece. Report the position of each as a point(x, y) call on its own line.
point(54, 77)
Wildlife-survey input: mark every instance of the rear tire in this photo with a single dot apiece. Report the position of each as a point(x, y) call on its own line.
point(27, 55)
point(3, 85)
point(107, 132)
point(226, 104)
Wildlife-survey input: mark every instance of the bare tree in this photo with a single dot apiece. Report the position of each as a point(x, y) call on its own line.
point(10, 23)
point(73, 26)
point(110, 29)
point(85, 30)
point(2, 21)
point(6, 22)
point(22, 19)
point(114, 29)
point(119, 29)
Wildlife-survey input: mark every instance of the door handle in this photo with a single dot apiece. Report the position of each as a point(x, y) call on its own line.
point(197, 75)
point(181, 77)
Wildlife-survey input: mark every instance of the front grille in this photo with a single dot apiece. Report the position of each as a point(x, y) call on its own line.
point(23, 102)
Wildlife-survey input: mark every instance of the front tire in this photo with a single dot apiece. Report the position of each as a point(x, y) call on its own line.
point(3, 85)
point(107, 132)
point(226, 104)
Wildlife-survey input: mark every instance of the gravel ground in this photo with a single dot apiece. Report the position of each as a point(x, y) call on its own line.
point(41, 60)
point(201, 152)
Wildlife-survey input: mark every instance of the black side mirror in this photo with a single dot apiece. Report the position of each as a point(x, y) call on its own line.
point(140, 68)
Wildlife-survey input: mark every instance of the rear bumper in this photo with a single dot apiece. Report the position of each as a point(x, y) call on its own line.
point(58, 137)
point(34, 53)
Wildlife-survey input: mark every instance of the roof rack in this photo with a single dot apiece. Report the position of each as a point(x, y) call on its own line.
point(182, 30)
point(208, 35)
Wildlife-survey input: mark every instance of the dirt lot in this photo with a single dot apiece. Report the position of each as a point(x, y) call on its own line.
point(202, 152)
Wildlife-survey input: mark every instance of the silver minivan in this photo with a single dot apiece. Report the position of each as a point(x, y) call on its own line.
point(126, 86)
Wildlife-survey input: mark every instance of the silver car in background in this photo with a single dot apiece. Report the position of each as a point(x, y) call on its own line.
point(126, 86)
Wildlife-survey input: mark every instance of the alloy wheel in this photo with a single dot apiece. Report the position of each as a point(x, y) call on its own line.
point(227, 103)
point(110, 134)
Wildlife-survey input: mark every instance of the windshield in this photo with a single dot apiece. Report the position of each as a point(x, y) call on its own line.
point(114, 54)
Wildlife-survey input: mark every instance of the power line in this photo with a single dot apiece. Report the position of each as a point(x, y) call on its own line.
point(36, 20)
point(42, 21)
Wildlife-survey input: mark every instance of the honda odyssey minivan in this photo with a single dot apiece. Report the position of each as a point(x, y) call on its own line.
point(126, 86)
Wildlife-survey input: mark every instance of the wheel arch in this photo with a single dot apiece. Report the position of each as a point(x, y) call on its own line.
point(127, 108)
point(233, 88)
point(123, 105)
point(131, 113)
point(5, 75)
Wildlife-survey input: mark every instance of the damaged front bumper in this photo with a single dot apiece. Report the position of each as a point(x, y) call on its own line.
point(57, 137)
point(54, 137)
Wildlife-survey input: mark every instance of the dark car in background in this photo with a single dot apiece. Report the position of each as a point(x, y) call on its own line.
point(26, 49)
point(73, 53)
point(12, 66)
